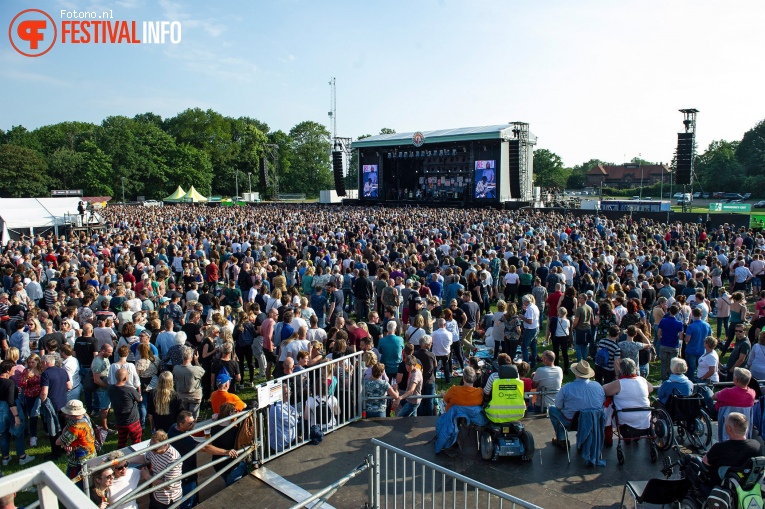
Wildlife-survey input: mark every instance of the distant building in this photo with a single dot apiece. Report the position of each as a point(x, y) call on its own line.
point(627, 175)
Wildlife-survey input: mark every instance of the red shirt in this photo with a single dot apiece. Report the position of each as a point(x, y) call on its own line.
point(552, 303)
point(735, 396)
point(212, 272)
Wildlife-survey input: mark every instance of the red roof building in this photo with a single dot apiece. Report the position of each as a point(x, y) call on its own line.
point(628, 175)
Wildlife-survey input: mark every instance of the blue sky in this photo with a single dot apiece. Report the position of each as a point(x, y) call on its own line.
point(593, 78)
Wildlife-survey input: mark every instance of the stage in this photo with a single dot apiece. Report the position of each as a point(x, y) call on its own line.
point(551, 483)
point(469, 166)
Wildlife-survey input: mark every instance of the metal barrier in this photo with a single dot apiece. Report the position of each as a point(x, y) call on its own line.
point(327, 395)
point(53, 487)
point(146, 488)
point(398, 477)
point(290, 196)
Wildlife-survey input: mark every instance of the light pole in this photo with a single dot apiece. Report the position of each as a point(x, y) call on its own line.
point(123, 190)
point(236, 180)
point(640, 157)
point(249, 180)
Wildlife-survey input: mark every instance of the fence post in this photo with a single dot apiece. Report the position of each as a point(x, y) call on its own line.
point(374, 492)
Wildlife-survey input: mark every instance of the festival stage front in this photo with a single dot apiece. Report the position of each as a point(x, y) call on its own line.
point(469, 166)
point(551, 483)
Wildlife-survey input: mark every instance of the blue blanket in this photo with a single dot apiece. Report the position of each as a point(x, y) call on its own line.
point(446, 425)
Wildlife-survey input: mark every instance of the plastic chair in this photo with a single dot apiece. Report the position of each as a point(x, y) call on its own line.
point(656, 491)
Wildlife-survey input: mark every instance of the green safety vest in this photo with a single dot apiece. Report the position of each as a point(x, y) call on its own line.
point(507, 403)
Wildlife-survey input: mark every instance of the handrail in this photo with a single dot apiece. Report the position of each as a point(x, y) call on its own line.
point(52, 487)
point(142, 490)
point(454, 475)
point(324, 494)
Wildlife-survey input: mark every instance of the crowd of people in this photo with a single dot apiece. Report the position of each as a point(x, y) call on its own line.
point(168, 312)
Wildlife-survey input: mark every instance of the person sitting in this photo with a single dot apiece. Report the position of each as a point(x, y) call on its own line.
point(503, 360)
point(573, 397)
point(506, 403)
point(465, 394)
point(739, 398)
point(735, 451)
point(220, 396)
point(282, 422)
point(629, 391)
point(546, 379)
point(677, 383)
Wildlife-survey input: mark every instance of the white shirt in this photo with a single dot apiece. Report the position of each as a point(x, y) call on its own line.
point(72, 368)
point(532, 312)
point(310, 411)
point(442, 342)
point(706, 361)
point(124, 485)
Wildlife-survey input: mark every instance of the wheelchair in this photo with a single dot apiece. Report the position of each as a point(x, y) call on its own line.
point(681, 418)
point(626, 433)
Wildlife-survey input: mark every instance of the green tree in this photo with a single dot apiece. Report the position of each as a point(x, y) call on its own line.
point(548, 169)
point(23, 172)
point(188, 166)
point(718, 168)
point(149, 118)
point(279, 160)
point(387, 130)
point(63, 135)
point(95, 176)
point(751, 151)
point(310, 169)
point(20, 136)
point(63, 166)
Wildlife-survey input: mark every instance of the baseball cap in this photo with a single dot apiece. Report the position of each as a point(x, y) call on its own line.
point(144, 332)
point(162, 300)
point(222, 379)
point(418, 300)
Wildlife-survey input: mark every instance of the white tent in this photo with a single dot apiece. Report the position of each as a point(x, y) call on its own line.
point(35, 214)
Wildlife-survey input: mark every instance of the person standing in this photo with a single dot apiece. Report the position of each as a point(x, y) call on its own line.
point(390, 348)
point(158, 460)
point(530, 330)
point(582, 325)
point(442, 343)
point(740, 353)
point(125, 400)
point(668, 334)
point(54, 385)
point(695, 334)
point(188, 381)
point(429, 363)
point(77, 437)
point(12, 421)
point(471, 312)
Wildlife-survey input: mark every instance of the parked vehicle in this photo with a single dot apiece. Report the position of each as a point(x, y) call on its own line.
point(718, 194)
point(697, 194)
point(733, 196)
point(677, 195)
point(747, 196)
point(759, 205)
point(705, 195)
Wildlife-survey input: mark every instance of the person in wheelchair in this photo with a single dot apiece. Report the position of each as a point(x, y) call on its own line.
point(735, 451)
point(629, 391)
point(505, 434)
point(677, 383)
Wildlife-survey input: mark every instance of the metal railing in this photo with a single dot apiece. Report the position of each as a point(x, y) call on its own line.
point(290, 196)
point(399, 477)
point(147, 488)
point(53, 487)
point(327, 395)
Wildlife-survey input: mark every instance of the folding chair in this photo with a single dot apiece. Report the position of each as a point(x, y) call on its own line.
point(574, 426)
point(655, 491)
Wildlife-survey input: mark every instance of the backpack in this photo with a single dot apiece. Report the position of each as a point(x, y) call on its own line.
point(601, 358)
point(246, 337)
point(246, 434)
point(99, 434)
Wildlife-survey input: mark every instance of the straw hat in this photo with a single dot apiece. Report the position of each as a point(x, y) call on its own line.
point(582, 370)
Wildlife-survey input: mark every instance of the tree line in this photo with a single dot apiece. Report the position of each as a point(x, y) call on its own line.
point(154, 155)
point(729, 166)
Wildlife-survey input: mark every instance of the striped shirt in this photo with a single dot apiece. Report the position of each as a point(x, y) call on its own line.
point(172, 492)
point(614, 352)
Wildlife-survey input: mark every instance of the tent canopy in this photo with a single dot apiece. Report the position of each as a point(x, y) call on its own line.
point(36, 212)
point(193, 196)
point(177, 196)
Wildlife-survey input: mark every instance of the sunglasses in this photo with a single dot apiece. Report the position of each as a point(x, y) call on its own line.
point(739, 330)
point(121, 467)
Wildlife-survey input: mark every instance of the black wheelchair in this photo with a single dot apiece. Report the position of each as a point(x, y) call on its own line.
point(682, 418)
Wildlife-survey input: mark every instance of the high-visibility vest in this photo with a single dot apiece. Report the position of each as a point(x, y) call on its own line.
point(507, 403)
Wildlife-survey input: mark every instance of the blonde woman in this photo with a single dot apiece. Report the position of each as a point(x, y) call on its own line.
point(370, 360)
point(165, 403)
point(414, 388)
point(316, 354)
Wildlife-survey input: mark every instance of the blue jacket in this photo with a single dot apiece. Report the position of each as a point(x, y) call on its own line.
point(49, 416)
point(589, 436)
point(446, 425)
point(679, 383)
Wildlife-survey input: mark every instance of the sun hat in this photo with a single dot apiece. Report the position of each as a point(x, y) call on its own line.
point(582, 369)
point(74, 407)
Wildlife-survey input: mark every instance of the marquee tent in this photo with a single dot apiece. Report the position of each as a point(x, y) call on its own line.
point(35, 215)
point(177, 196)
point(193, 196)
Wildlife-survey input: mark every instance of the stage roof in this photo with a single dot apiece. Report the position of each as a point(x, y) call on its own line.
point(504, 131)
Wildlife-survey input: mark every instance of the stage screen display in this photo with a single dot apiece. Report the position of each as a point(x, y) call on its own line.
point(485, 179)
point(369, 172)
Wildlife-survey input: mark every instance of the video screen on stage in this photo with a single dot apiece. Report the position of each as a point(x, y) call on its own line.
point(369, 172)
point(485, 179)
